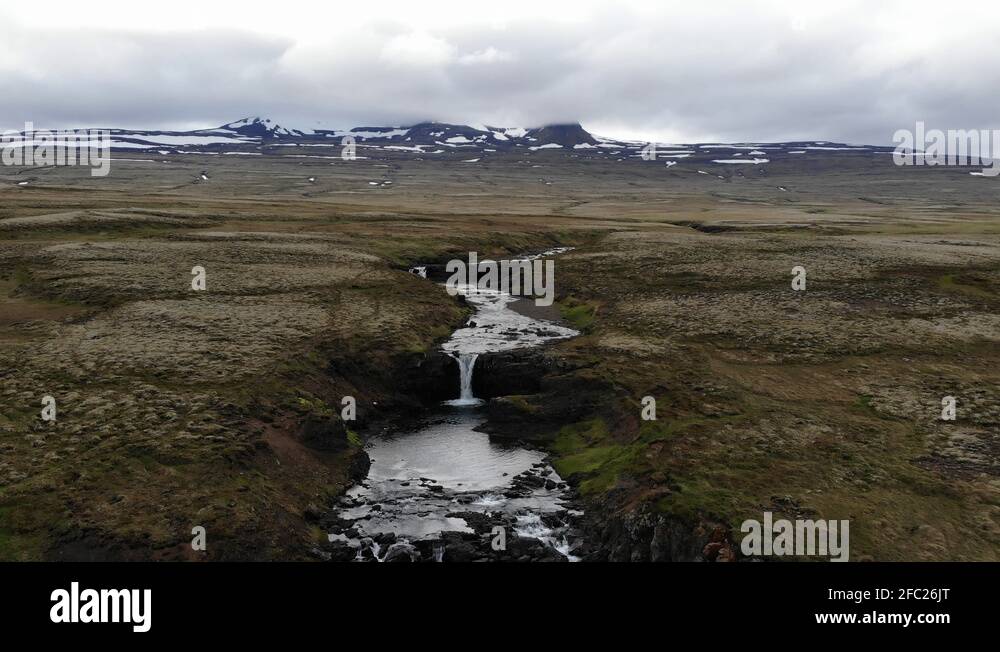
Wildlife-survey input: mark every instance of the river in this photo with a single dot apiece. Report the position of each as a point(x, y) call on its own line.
point(444, 491)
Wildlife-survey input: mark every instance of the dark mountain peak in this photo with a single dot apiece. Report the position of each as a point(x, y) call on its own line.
point(567, 135)
point(444, 129)
point(258, 127)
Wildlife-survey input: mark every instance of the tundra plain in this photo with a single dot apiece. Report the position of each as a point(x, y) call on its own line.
point(178, 408)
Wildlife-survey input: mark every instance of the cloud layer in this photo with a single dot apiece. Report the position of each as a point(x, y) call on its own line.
point(728, 71)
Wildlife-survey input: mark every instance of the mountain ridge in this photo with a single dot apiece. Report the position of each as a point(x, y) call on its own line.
point(260, 135)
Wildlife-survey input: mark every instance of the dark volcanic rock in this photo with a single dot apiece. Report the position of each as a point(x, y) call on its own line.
point(643, 535)
point(401, 552)
point(457, 548)
point(563, 399)
point(341, 552)
point(432, 378)
point(509, 372)
point(358, 469)
point(483, 524)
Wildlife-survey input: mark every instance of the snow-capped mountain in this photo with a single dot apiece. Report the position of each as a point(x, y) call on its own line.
point(466, 143)
point(424, 133)
point(260, 128)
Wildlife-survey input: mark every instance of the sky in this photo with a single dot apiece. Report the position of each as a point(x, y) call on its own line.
point(708, 71)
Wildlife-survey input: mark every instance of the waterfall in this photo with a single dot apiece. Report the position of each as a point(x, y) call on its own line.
point(466, 365)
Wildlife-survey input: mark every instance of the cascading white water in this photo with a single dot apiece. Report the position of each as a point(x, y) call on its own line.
point(494, 328)
point(466, 366)
point(467, 363)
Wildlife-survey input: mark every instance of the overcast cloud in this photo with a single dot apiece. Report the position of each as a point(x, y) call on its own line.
point(683, 72)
